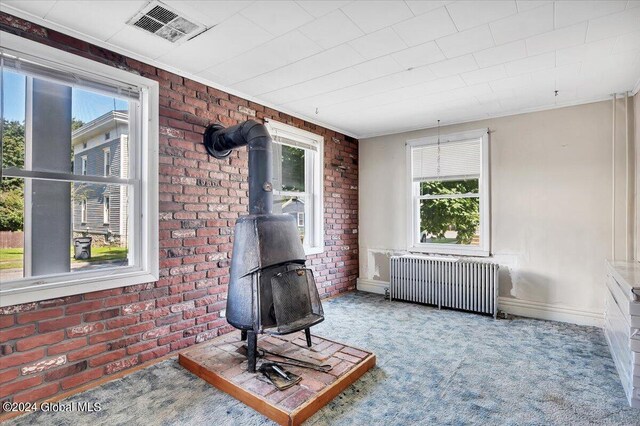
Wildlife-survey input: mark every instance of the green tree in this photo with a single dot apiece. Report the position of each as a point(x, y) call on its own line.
point(437, 216)
point(12, 151)
point(76, 124)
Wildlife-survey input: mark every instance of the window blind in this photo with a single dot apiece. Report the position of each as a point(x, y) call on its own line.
point(281, 137)
point(451, 160)
point(19, 63)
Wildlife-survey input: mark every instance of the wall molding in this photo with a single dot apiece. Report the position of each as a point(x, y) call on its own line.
point(371, 286)
point(522, 308)
point(546, 311)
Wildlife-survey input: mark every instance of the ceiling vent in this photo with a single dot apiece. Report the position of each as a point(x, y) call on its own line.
point(159, 19)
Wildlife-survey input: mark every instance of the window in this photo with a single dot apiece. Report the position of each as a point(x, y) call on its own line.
point(298, 181)
point(107, 161)
point(449, 194)
point(51, 169)
point(83, 211)
point(107, 136)
point(105, 210)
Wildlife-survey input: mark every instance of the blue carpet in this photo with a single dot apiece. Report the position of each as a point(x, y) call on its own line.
point(434, 367)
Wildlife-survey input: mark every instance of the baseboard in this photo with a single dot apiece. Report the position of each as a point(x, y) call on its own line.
point(546, 311)
point(372, 286)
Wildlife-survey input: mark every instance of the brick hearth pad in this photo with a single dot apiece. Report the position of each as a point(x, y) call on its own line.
point(218, 362)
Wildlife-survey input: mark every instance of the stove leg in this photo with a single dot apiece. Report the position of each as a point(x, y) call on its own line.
point(307, 333)
point(243, 335)
point(252, 344)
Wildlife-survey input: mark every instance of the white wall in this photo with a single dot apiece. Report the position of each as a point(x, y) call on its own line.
point(551, 177)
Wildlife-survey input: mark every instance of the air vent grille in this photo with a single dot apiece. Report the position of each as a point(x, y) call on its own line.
point(158, 19)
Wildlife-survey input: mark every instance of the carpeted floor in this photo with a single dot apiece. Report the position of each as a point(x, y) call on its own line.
point(434, 367)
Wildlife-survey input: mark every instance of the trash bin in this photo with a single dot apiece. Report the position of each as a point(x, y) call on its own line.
point(82, 247)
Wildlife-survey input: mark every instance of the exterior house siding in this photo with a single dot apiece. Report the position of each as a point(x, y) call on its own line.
point(97, 334)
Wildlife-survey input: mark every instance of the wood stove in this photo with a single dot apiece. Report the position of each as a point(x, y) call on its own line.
point(270, 289)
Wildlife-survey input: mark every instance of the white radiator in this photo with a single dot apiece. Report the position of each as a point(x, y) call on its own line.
point(446, 283)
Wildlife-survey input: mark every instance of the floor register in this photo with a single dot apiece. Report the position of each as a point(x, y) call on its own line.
point(622, 324)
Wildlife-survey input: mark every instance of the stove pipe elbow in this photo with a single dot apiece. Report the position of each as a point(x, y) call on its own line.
point(220, 141)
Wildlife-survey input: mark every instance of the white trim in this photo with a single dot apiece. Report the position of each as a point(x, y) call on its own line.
point(371, 286)
point(484, 249)
point(545, 311)
point(144, 247)
point(317, 180)
point(106, 155)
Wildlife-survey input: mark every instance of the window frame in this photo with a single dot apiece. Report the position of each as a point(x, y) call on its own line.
point(106, 160)
point(83, 212)
point(83, 165)
point(484, 191)
point(143, 127)
point(106, 209)
point(317, 184)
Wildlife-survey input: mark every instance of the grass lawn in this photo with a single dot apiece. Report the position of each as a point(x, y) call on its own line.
point(11, 258)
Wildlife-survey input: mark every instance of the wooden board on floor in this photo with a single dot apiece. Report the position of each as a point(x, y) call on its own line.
point(220, 364)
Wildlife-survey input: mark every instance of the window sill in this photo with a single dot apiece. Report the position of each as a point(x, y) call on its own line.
point(48, 288)
point(458, 251)
point(313, 250)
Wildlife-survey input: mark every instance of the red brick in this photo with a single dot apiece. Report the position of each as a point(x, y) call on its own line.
point(65, 322)
point(40, 315)
point(16, 333)
point(138, 307)
point(121, 322)
point(66, 346)
point(103, 293)
point(107, 357)
point(134, 349)
point(84, 307)
point(40, 340)
point(105, 337)
point(101, 315)
point(85, 329)
point(81, 378)
point(154, 353)
point(121, 300)
point(6, 320)
point(65, 371)
point(123, 364)
point(87, 352)
point(140, 328)
point(37, 394)
point(19, 358)
point(8, 375)
point(43, 365)
point(11, 388)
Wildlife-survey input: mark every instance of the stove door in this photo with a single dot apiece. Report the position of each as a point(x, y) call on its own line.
point(296, 302)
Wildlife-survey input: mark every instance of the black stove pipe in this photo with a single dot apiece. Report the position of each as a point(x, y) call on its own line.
point(220, 141)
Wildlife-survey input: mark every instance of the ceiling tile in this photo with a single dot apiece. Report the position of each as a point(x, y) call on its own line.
point(483, 75)
point(524, 5)
point(277, 17)
point(571, 12)
point(371, 16)
point(331, 30)
point(627, 42)
point(427, 27)
point(273, 54)
point(90, 20)
point(614, 25)
point(454, 66)
point(464, 42)
point(208, 12)
point(589, 51)
point(418, 7)
point(320, 8)
point(379, 67)
point(378, 44)
point(523, 25)
point(420, 55)
point(501, 54)
point(326, 62)
point(467, 14)
point(324, 84)
point(558, 39)
point(36, 8)
point(510, 82)
point(231, 38)
point(531, 63)
point(141, 42)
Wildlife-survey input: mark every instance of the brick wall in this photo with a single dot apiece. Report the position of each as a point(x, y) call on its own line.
point(56, 345)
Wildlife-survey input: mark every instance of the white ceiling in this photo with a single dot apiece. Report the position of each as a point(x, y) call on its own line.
point(378, 67)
